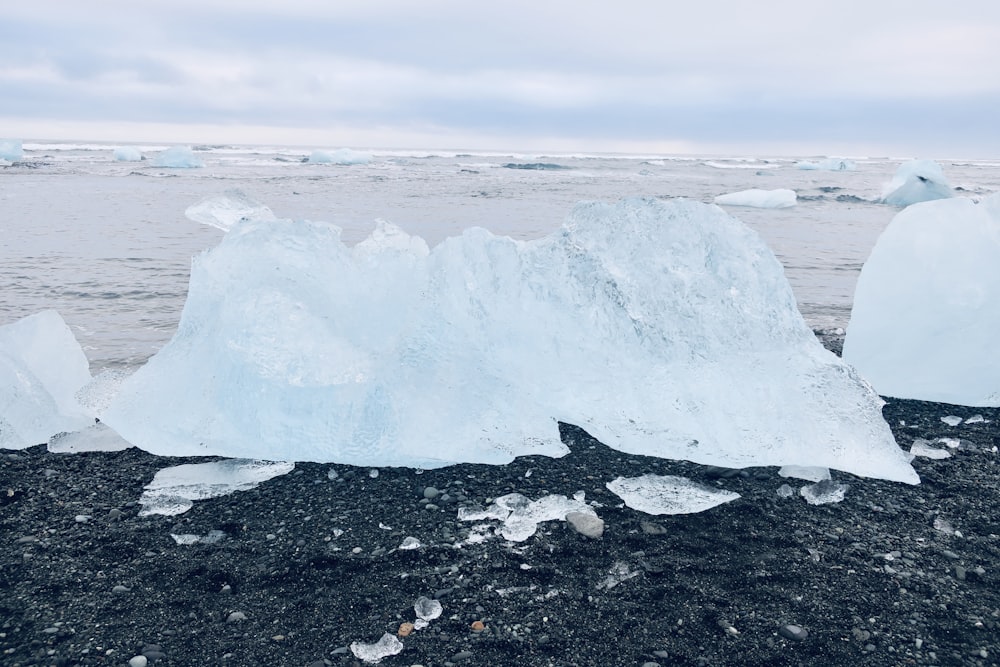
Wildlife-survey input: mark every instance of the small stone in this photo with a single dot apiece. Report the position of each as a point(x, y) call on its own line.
point(960, 572)
point(461, 655)
point(115, 514)
point(478, 626)
point(430, 493)
point(236, 617)
point(588, 525)
point(138, 661)
point(226, 590)
point(82, 518)
point(793, 632)
point(278, 638)
point(650, 664)
point(405, 629)
point(121, 590)
point(652, 528)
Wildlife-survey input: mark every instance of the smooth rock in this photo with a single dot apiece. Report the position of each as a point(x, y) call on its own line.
point(138, 661)
point(793, 632)
point(588, 525)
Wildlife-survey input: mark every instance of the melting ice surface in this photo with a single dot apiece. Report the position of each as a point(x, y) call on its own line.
point(373, 653)
point(178, 157)
point(662, 328)
point(667, 494)
point(916, 181)
point(520, 515)
point(781, 198)
point(42, 366)
point(174, 489)
point(925, 317)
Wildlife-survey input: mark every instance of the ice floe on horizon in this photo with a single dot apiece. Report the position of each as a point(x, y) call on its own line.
point(11, 150)
point(828, 164)
point(178, 157)
point(341, 156)
point(757, 198)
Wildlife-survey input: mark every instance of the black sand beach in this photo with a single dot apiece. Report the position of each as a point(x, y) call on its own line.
point(867, 581)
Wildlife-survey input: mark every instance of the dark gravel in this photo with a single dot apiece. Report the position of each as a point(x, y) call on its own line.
point(759, 581)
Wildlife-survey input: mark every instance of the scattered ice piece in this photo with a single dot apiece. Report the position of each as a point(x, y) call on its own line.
point(185, 538)
point(341, 156)
point(373, 473)
point(916, 181)
point(178, 157)
point(924, 321)
point(785, 491)
point(383, 526)
point(521, 516)
point(373, 653)
point(825, 492)
point(829, 164)
point(667, 494)
point(943, 525)
point(128, 154)
point(808, 473)
point(95, 438)
point(975, 419)
point(921, 447)
point(173, 489)
point(11, 150)
point(756, 198)
point(332, 474)
point(389, 353)
point(225, 211)
point(409, 544)
point(42, 366)
point(420, 624)
point(619, 572)
point(951, 443)
point(426, 608)
point(212, 537)
point(952, 420)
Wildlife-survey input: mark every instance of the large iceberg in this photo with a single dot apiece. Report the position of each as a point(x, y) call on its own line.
point(11, 150)
point(663, 328)
point(756, 198)
point(916, 181)
point(128, 154)
point(42, 366)
point(178, 157)
point(927, 305)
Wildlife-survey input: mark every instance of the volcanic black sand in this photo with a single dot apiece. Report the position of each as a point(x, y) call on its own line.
point(892, 575)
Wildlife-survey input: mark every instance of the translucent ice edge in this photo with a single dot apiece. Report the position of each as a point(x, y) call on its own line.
point(520, 515)
point(668, 494)
point(174, 490)
point(373, 653)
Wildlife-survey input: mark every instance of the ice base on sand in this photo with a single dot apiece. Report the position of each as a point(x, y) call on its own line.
point(94, 438)
point(781, 198)
point(521, 515)
point(824, 493)
point(924, 448)
point(829, 164)
point(174, 490)
point(11, 150)
point(178, 157)
point(668, 494)
point(925, 317)
point(916, 181)
point(42, 366)
point(809, 473)
point(373, 653)
point(341, 156)
point(664, 328)
point(128, 154)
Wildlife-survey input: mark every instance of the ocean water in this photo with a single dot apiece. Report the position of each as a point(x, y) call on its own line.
point(106, 243)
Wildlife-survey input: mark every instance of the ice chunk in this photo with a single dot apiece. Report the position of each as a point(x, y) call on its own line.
point(916, 181)
point(178, 157)
point(11, 150)
point(212, 537)
point(829, 164)
point(94, 438)
point(667, 494)
point(952, 420)
point(781, 198)
point(663, 328)
point(427, 609)
point(921, 447)
point(225, 211)
point(824, 493)
point(409, 544)
point(174, 489)
point(809, 473)
point(373, 653)
point(128, 154)
point(925, 318)
point(97, 394)
point(342, 156)
point(42, 366)
point(521, 515)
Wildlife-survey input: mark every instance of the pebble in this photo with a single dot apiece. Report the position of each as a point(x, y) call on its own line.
point(405, 629)
point(652, 528)
point(430, 493)
point(793, 632)
point(120, 590)
point(236, 617)
point(138, 661)
point(461, 655)
point(588, 525)
point(478, 626)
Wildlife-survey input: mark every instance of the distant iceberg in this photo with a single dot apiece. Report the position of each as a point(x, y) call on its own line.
point(178, 157)
point(916, 181)
point(42, 366)
point(927, 306)
point(829, 164)
point(663, 328)
point(128, 154)
point(11, 150)
point(342, 156)
point(755, 198)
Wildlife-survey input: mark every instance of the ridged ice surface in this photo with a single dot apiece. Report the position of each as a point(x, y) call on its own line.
point(663, 328)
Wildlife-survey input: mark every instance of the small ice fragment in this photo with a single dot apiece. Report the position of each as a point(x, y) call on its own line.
point(373, 653)
point(785, 491)
point(808, 473)
point(185, 538)
point(373, 473)
point(225, 211)
point(211, 537)
point(426, 608)
point(580, 496)
point(173, 489)
point(921, 447)
point(667, 494)
point(823, 493)
point(332, 474)
point(951, 443)
point(619, 572)
point(975, 419)
point(420, 624)
point(383, 526)
point(410, 543)
point(943, 525)
point(952, 420)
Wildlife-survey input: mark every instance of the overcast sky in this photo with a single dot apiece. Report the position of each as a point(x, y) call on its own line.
point(854, 77)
